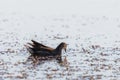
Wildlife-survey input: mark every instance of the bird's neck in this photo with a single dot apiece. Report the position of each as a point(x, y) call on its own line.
point(59, 49)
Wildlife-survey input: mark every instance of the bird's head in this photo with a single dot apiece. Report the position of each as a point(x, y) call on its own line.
point(64, 46)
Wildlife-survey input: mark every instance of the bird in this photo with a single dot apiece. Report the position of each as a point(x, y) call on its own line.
point(40, 51)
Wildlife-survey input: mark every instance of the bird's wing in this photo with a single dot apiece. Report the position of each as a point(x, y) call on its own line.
point(37, 43)
point(40, 46)
point(43, 53)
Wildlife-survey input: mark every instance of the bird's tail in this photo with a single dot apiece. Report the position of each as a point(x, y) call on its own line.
point(30, 49)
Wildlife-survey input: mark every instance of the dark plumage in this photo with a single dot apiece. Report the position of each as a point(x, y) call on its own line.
point(38, 46)
point(38, 50)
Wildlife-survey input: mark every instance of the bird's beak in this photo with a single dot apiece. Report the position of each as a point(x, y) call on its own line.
point(65, 48)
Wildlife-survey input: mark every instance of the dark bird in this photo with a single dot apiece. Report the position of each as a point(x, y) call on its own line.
point(40, 51)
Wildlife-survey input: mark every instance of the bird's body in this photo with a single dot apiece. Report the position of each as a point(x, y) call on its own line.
point(39, 50)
